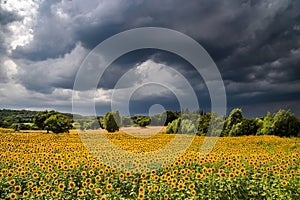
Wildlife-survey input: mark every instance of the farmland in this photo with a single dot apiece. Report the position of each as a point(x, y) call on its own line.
point(58, 166)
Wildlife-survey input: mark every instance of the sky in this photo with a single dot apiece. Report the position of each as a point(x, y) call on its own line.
point(255, 45)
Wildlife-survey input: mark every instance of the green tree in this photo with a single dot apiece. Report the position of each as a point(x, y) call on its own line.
point(58, 123)
point(266, 125)
point(285, 124)
point(203, 123)
point(173, 127)
point(187, 126)
point(117, 118)
point(234, 117)
point(141, 121)
point(245, 127)
point(16, 127)
point(109, 122)
point(41, 117)
point(170, 116)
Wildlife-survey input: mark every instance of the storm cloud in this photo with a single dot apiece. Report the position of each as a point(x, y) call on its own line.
point(255, 45)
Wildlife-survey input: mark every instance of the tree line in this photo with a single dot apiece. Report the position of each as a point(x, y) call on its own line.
point(281, 123)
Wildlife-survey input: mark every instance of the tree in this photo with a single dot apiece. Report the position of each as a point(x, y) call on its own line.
point(245, 127)
point(203, 123)
point(234, 117)
point(159, 119)
point(266, 125)
point(285, 124)
point(16, 127)
point(81, 125)
point(117, 118)
point(109, 122)
point(141, 121)
point(41, 117)
point(58, 123)
point(187, 126)
point(173, 127)
point(170, 116)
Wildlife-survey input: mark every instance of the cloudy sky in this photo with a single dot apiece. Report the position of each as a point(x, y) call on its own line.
point(255, 45)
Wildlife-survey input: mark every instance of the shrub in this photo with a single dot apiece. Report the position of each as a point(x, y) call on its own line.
point(109, 122)
point(187, 126)
point(173, 126)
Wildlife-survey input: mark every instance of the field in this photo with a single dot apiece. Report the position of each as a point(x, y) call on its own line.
point(58, 166)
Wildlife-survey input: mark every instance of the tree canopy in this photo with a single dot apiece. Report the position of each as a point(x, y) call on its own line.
point(52, 121)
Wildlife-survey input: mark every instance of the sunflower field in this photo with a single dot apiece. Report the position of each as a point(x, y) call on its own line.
point(58, 166)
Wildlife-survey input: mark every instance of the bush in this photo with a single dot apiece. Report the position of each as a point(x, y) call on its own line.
point(173, 126)
point(170, 116)
point(109, 122)
point(187, 126)
point(141, 121)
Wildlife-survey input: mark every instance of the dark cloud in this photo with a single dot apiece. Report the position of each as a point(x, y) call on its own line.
point(7, 17)
point(255, 45)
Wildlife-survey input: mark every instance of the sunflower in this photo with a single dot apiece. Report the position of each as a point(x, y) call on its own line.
point(17, 189)
point(141, 196)
point(150, 188)
point(61, 186)
point(191, 186)
point(121, 176)
point(80, 193)
point(144, 182)
point(103, 198)
point(72, 184)
point(91, 172)
point(180, 186)
point(193, 192)
point(47, 187)
point(41, 182)
point(13, 196)
point(143, 175)
point(166, 196)
point(39, 193)
point(88, 180)
point(12, 182)
point(91, 186)
point(109, 186)
point(284, 182)
point(84, 184)
point(198, 176)
point(222, 174)
point(98, 191)
point(98, 178)
point(83, 173)
point(54, 194)
point(25, 194)
point(141, 189)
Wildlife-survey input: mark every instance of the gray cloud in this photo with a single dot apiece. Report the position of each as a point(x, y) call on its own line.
point(255, 44)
